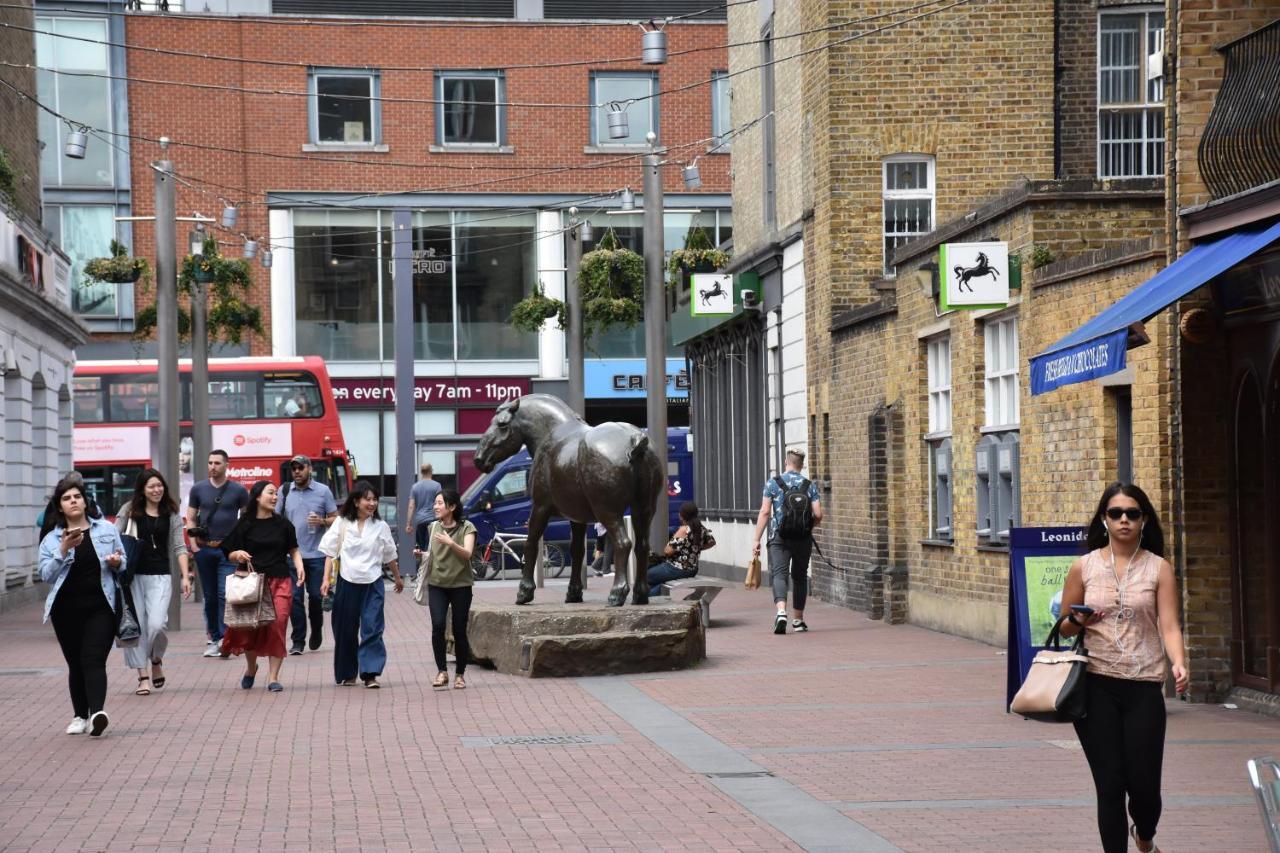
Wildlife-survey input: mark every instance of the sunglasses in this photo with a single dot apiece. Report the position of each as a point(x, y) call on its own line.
point(1132, 513)
point(295, 466)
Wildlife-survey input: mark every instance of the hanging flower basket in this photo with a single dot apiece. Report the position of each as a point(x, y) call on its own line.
point(697, 256)
point(229, 317)
point(117, 269)
point(536, 309)
point(611, 279)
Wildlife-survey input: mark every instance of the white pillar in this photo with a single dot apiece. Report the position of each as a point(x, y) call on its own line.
point(551, 342)
point(284, 317)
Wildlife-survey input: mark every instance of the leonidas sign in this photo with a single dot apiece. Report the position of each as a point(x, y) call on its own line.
point(974, 275)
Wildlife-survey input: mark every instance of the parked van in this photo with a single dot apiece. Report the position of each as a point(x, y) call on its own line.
point(499, 500)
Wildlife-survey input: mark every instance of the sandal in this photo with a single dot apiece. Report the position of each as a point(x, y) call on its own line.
point(157, 681)
point(442, 680)
point(459, 684)
point(142, 691)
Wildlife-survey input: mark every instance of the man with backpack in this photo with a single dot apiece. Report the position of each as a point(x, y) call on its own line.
point(790, 509)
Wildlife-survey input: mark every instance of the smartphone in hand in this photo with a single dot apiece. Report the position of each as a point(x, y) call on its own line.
point(1082, 609)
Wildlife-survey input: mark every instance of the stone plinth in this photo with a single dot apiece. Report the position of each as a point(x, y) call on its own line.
point(559, 640)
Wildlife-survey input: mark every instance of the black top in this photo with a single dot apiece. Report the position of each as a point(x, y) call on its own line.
point(268, 541)
point(153, 533)
point(84, 579)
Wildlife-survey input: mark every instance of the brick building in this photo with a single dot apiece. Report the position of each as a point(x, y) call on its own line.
point(38, 331)
point(318, 128)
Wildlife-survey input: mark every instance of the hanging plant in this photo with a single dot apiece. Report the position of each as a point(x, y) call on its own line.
point(227, 283)
point(117, 269)
point(698, 255)
point(611, 279)
point(8, 179)
point(536, 309)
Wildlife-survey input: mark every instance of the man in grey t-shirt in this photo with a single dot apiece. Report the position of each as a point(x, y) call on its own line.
point(214, 504)
point(422, 506)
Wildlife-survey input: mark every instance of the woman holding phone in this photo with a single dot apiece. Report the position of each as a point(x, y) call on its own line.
point(1125, 595)
point(80, 559)
point(264, 542)
point(450, 581)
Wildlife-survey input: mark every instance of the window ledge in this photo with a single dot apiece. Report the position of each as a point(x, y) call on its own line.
point(991, 548)
point(472, 149)
point(938, 543)
point(987, 430)
point(937, 436)
point(722, 148)
point(615, 149)
point(315, 148)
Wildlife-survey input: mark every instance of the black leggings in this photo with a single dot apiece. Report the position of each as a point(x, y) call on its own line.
point(85, 628)
point(441, 598)
point(1123, 738)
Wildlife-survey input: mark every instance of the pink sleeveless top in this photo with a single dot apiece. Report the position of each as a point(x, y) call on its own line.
point(1126, 642)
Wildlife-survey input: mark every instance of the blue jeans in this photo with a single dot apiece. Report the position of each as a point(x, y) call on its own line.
point(358, 647)
point(314, 569)
point(420, 534)
point(214, 568)
point(663, 572)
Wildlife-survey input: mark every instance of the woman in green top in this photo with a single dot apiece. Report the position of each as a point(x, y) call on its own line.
point(449, 583)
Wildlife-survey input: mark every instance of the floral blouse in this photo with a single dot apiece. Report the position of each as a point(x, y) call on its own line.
point(687, 551)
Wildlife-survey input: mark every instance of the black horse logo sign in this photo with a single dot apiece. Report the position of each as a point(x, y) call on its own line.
point(982, 268)
point(713, 292)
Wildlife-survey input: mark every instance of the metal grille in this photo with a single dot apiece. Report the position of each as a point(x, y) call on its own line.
point(1130, 95)
point(633, 10)
point(1240, 148)
point(406, 8)
point(540, 740)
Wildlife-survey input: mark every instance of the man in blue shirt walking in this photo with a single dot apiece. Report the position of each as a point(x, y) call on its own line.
point(790, 526)
point(422, 506)
point(310, 508)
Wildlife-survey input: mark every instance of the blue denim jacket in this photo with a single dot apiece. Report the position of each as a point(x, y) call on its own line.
point(54, 567)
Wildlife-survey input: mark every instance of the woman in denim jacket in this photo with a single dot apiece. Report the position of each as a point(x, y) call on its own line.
point(81, 559)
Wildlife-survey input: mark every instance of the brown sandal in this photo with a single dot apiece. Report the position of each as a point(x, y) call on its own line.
point(459, 684)
point(442, 680)
point(142, 691)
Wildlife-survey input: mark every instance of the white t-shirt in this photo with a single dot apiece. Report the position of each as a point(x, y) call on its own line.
point(364, 551)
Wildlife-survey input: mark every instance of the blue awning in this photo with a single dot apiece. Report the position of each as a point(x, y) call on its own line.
point(1098, 347)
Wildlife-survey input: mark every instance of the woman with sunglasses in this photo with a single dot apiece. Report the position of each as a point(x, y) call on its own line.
point(1125, 594)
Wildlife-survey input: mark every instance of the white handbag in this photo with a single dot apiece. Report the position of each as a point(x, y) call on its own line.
point(244, 589)
point(424, 569)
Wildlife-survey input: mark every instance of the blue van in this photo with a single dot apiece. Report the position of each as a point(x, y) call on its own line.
point(499, 500)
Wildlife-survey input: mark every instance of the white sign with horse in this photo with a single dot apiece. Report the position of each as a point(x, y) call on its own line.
point(712, 294)
point(975, 274)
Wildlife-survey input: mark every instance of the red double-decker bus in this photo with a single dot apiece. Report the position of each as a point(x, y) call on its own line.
point(262, 411)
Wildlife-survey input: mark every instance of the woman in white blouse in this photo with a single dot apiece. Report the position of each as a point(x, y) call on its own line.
point(359, 542)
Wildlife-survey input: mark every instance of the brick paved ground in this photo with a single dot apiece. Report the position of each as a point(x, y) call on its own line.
point(892, 736)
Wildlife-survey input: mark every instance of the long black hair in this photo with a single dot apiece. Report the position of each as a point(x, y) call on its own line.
point(138, 503)
point(350, 509)
point(250, 510)
point(454, 501)
point(689, 515)
point(1152, 534)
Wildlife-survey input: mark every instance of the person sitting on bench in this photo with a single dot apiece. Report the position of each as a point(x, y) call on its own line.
point(683, 551)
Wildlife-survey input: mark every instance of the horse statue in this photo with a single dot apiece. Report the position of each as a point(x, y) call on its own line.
point(582, 473)
point(979, 270)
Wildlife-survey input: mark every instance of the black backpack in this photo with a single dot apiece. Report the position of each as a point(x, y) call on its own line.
point(796, 521)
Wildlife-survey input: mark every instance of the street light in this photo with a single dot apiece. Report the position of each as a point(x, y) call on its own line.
point(653, 44)
point(230, 215)
point(627, 199)
point(692, 177)
point(196, 241)
point(585, 233)
point(617, 120)
point(250, 247)
point(265, 257)
point(77, 141)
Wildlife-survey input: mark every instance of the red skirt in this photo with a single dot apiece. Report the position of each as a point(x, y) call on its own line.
point(265, 640)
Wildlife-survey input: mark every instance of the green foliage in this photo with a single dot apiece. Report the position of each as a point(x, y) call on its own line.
point(698, 255)
point(8, 179)
point(1041, 256)
point(228, 283)
point(611, 279)
point(534, 310)
point(117, 269)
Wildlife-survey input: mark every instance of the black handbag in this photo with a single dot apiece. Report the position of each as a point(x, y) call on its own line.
point(132, 557)
point(127, 630)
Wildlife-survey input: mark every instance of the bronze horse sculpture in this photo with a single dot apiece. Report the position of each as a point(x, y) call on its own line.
point(582, 473)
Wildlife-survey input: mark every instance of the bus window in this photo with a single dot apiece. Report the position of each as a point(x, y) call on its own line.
point(233, 400)
point(294, 396)
point(110, 487)
point(86, 394)
point(133, 399)
point(333, 474)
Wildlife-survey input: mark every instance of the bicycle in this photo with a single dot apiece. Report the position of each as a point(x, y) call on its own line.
point(485, 566)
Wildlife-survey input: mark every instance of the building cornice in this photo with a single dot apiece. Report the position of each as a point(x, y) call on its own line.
point(45, 315)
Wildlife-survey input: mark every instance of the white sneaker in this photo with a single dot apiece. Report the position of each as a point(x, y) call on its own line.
point(79, 725)
point(214, 650)
point(98, 724)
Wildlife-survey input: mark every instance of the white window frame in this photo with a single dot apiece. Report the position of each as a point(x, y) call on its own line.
point(63, 129)
point(1148, 112)
point(499, 95)
point(721, 119)
point(375, 106)
point(599, 111)
point(887, 195)
point(1001, 346)
point(938, 356)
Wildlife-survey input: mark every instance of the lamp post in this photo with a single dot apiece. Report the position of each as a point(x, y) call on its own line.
point(200, 439)
point(165, 456)
point(655, 344)
point(573, 305)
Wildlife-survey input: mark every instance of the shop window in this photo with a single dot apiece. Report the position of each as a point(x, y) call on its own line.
point(469, 110)
point(77, 46)
point(1131, 93)
point(908, 187)
point(720, 121)
point(85, 231)
point(998, 461)
point(636, 93)
point(338, 284)
point(938, 439)
point(1001, 349)
point(344, 107)
point(495, 267)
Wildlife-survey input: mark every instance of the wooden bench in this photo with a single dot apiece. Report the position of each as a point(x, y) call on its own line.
point(702, 590)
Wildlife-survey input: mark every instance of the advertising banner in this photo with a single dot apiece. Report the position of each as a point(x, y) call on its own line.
point(1089, 360)
point(1039, 559)
point(624, 378)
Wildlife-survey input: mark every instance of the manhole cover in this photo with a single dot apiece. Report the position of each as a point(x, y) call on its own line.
point(745, 774)
point(540, 740)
